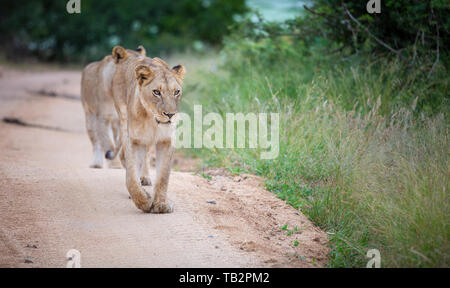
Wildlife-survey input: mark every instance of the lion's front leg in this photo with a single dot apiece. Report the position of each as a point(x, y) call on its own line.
point(164, 152)
point(145, 168)
point(140, 197)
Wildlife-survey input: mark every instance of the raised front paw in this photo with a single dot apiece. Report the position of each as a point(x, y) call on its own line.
point(162, 207)
point(146, 181)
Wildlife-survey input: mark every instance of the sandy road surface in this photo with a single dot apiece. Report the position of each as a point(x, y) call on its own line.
point(50, 201)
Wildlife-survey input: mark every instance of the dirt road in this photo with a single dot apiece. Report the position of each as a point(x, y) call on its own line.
point(51, 202)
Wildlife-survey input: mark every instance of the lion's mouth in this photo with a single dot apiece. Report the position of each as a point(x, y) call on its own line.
point(160, 122)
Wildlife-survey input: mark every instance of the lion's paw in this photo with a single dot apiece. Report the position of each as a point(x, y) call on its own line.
point(146, 181)
point(162, 207)
point(144, 203)
point(145, 206)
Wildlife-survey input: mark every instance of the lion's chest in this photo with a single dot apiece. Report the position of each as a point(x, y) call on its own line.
point(148, 133)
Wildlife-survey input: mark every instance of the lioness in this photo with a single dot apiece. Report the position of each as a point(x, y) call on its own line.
point(146, 94)
point(102, 123)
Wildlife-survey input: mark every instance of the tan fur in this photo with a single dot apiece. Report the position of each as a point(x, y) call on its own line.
point(144, 122)
point(102, 122)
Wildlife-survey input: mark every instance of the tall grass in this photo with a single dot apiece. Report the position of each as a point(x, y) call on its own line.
point(360, 152)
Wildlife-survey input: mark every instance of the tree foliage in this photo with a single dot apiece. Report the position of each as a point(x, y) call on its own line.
point(404, 27)
point(44, 28)
point(400, 25)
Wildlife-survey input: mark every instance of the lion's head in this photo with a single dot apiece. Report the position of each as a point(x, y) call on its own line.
point(120, 54)
point(160, 88)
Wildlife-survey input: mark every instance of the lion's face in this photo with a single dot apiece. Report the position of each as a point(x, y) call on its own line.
point(160, 89)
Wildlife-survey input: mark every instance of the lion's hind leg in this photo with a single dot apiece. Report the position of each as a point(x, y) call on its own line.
point(97, 161)
point(105, 136)
point(114, 135)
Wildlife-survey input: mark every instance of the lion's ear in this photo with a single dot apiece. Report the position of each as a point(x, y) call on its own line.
point(144, 74)
point(141, 50)
point(119, 53)
point(179, 70)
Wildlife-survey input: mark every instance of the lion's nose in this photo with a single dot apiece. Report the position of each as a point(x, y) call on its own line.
point(169, 114)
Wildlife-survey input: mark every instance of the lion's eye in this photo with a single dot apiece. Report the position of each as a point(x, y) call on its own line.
point(177, 92)
point(157, 93)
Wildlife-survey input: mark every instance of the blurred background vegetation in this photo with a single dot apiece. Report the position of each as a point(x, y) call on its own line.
point(363, 101)
point(43, 28)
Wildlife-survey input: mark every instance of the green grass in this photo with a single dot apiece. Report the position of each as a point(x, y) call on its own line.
point(363, 149)
point(206, 176)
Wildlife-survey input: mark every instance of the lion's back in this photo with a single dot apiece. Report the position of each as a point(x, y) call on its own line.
point(96, 85)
